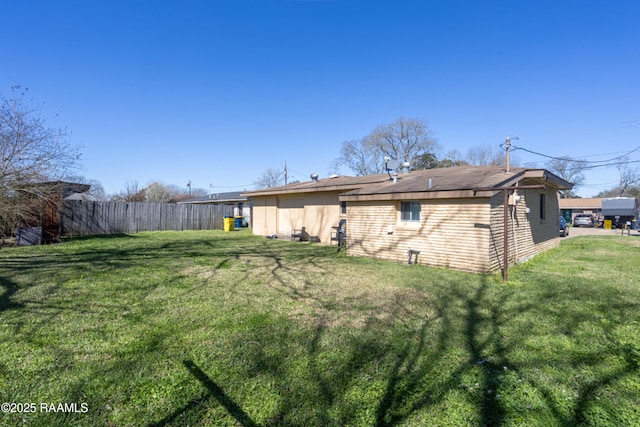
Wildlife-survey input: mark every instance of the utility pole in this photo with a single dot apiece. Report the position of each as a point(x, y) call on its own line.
point(507, 145)
point(285, 172)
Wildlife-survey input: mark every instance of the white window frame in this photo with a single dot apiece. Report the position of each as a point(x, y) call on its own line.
point(411, 204)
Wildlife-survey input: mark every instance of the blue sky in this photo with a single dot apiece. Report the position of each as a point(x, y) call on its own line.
point(215, 92)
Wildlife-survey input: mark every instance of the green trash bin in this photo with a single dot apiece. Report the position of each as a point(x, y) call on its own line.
point(228, 223)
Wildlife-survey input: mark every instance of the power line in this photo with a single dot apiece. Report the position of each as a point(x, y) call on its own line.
point(581, 161)
point(298, 173)
point(612, 164)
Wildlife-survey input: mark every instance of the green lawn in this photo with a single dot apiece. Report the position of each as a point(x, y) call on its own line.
point(212, 328)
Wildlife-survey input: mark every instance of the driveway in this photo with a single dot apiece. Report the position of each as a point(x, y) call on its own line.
point(592, 231)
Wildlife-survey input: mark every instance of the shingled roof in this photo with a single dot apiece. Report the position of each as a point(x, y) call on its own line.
point(459, 181)
point(335, 183)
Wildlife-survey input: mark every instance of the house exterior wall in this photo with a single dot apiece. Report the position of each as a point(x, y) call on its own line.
point(451, 233)
point(316, 212)
point(528, 234)
point(463, 234)
point(265, 215)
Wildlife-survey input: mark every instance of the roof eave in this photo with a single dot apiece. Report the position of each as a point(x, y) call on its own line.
point(299, 190)
point(417, 195)
point(548, 178)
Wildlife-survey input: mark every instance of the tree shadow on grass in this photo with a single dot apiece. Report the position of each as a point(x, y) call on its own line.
point(193, 411)
point(418, 359)
point(413, 383)
point(9, 289)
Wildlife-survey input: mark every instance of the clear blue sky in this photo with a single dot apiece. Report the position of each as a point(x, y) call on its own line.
point(217, 91)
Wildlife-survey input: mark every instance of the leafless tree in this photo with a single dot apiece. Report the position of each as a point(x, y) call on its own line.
point(485, 155)
point(628, 176)
point(361, 157)
point(158, 193)
point(31, 152)
point(131, 193)
point(402, 140)
point(270, 178)
point(570, 170)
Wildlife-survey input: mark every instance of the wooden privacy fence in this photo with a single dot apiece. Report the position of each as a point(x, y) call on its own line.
point(83, 218)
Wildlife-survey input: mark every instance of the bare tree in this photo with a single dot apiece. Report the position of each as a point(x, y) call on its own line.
point(361, 157)
point(402, 140)
point(96, 191)
point(570, 170)
point(31, 153)
point(628, 176)
point(270, 178)
point(158, 193)
point(131, 193)
point(485, 155)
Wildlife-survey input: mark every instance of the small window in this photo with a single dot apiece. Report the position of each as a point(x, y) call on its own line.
point(410, 211)
point(343, 208)
point(542, 206)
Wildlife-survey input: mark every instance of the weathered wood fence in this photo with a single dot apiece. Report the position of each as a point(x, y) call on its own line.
point(83, 218)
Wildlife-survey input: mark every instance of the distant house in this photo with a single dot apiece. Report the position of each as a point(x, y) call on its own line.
point(234, 203)
point(454, 217)
point(572, 207)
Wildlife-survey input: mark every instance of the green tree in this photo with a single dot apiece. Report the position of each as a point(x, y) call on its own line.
point(431, 161)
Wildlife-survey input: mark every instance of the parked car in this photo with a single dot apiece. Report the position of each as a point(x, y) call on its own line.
point(583, 220)
point(564, 229)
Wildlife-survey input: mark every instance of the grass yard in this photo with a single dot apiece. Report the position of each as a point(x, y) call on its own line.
point(229, 329)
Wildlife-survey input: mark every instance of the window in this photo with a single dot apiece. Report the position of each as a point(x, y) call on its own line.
point(410, 211)
point(343, 208)
point(542, 206)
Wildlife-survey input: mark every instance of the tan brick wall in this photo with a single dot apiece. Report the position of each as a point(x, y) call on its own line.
point(528, 234)
point(464, 234)
point(450, 233)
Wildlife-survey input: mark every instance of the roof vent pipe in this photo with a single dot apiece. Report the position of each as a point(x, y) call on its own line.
point(429, 183)
point(395, 176)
